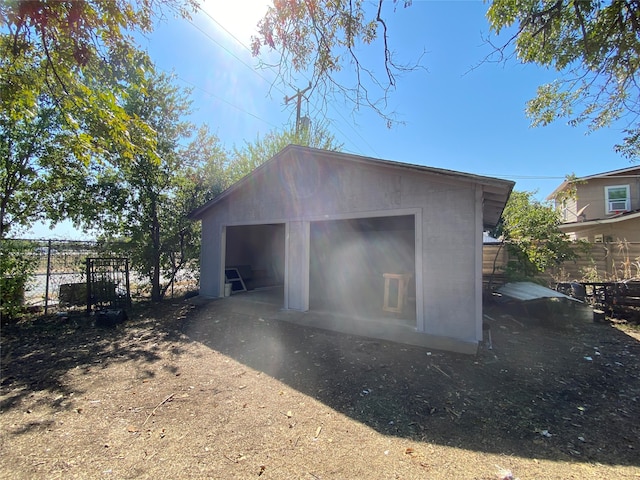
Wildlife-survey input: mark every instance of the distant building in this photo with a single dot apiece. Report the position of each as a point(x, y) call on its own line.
point(605, 207)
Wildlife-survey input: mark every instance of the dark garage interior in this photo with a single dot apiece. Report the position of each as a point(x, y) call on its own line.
point(349, 260)
point(258, 254)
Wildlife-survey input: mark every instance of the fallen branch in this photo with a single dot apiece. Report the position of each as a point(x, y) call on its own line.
point(157, 407)
point(441, 371)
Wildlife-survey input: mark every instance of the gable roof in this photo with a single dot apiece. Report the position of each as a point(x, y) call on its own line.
point(632, 172)
point(496, 191)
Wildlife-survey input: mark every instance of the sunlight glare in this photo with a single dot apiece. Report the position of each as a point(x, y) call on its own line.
point(238, 17)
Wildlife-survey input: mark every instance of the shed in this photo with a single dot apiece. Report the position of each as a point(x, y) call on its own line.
point(391, 250)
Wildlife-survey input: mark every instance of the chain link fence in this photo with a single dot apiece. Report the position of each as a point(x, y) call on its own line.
point(63, 262)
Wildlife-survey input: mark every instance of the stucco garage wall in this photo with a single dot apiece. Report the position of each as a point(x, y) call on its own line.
point(451, 230)
point(299, 190)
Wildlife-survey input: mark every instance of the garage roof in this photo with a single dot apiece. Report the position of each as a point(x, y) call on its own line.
point(496, 191)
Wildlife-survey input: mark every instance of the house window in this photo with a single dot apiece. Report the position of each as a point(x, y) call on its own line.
point(617, 198)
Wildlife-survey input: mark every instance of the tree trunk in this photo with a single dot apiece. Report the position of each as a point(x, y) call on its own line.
point(156, 294)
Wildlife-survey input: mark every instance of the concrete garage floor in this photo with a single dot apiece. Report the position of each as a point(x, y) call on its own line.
point(267, 303)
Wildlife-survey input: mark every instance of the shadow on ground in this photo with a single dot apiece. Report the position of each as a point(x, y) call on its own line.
point(561, 389)
point(38, 355)
point(565, 389)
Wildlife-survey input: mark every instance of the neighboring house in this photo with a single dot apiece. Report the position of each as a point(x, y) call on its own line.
point(605, 207)
point(341, 232)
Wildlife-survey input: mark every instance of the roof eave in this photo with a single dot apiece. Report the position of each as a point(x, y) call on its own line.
point(569, 227)
point(501, 187)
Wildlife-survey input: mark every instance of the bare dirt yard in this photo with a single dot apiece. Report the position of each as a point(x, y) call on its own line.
point(227, 389)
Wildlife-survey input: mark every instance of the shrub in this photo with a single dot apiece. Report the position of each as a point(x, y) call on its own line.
point(17, 264)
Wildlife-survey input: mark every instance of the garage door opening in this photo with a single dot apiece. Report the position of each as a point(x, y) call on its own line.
point(257, 254)
point(356, 265)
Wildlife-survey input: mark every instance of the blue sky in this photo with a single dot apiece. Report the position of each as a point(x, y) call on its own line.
point(456, 116)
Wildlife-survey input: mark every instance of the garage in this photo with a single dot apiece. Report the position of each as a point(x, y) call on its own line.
point(255, 257)
point(353, 262)
point(358, 241)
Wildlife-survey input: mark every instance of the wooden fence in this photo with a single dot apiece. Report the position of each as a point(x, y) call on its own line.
point(494, 261)
point(603, 262)
point(597, 262)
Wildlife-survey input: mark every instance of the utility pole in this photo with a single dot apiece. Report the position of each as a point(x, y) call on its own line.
point(300, 94)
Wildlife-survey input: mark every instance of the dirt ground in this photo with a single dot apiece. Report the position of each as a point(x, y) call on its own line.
point(224, 389)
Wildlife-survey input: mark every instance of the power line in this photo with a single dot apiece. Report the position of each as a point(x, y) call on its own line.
point(206, 34)
point(269, 82)
point(225, 101)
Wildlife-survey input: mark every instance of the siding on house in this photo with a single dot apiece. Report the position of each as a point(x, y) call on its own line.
point(592, 196)
point(588, 217)
point(596, 232)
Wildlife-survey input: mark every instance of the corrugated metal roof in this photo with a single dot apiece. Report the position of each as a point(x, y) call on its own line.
point(526, 291)
point(488, 239)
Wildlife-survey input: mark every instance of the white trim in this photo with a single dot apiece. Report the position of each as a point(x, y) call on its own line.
point(333, 216)
point(479, 241)
point(418, 247)
point(306, 265)
point(421, 323)
point(616, 219)
point(287, 234)
point(223, 260)
point(364, 214)
point(607, 202)
point(252, 223)
point(417, 215)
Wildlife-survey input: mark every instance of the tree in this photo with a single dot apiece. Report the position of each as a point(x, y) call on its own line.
point(64, 66)
point(86, 52)
point(596, 48)
point(17, 267)
point(141, 198)
point(595, 45)
point(142, 206)
point(252, 155)
point(322, 36)
point(530, 231)
point(39, 151)
point(202, 176)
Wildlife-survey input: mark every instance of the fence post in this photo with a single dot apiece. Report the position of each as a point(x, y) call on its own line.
point(88, 263)
point(126, 273)
point(47, 277)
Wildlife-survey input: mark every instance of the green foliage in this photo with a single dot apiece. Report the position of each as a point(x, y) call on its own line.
point(77, 32)
point(64, 68)
point(252, 155)
point(321, 37)
point(530, 231)
point(202, 176)
point(140, 189)
point(145, 200)
point(17, 267)
point(570, 190)
point(594, 45)
point(36, 143)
